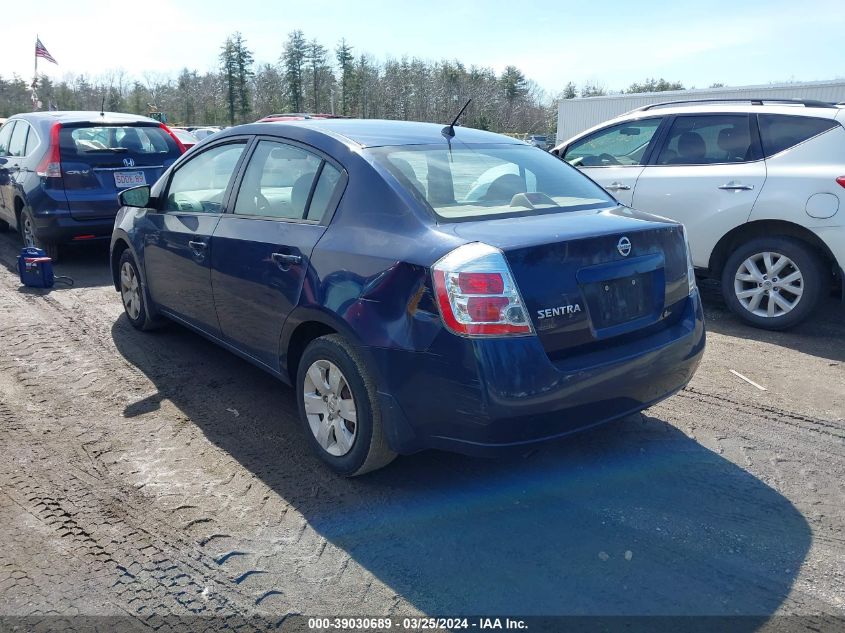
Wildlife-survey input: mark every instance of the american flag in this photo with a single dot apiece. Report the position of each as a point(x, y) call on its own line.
point(40, 51)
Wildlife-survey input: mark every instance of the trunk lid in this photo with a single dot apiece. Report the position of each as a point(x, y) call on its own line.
point(101, 159)
point(588, 277)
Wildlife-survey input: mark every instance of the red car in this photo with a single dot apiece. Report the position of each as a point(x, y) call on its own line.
point(187, 139)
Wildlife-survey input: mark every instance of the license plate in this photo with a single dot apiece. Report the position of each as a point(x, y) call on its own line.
point(620, 300)
point(129, 178)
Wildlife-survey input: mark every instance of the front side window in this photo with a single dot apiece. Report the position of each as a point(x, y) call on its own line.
point(278, 181)
point(17, 144)
point(198, 186)
point(623, 144)
point(479, 182)
point(782, 131)
point(709, 140)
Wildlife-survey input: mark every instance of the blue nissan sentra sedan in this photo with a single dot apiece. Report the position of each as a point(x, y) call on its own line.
point(419, 286)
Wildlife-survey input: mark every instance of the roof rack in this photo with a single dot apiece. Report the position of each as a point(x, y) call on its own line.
point(807, 103)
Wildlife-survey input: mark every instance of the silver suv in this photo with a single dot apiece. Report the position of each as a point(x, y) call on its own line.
point(759, 185)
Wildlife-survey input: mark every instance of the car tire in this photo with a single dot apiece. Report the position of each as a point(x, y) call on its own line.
point(26, 226)
point(132, 294)
point(4, 226)
point(767, 291)
point(334, 384)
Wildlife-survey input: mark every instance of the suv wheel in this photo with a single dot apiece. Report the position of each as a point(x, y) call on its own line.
point(773, 282)
point(338, 408)
point(27, 230)
point(4, 226)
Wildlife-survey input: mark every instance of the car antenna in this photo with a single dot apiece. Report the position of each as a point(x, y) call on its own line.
point(103, 107)
point(449, 130)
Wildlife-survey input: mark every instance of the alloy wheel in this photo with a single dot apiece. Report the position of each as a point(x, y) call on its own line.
point(330, 408)
point(130, 290)
point(768, 284)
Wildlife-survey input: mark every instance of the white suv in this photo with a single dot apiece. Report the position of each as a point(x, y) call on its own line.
point(758, 185)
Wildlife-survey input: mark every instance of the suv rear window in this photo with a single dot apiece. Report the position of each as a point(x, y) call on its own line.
point(480, 182)
point(782, 131)
point(116, 139)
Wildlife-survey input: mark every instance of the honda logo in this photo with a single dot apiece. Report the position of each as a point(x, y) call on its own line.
point(624, 246)
point(128, 162)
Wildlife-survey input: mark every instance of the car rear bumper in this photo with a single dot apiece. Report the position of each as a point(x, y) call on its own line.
point(60, 227)
point(484, 397)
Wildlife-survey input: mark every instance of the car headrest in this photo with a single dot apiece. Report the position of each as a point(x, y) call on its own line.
point(691, 145)
point(734, 140)
point(504, 188)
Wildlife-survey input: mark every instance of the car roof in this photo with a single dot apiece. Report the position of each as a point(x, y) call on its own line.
point(379, 133)
point(83, 116)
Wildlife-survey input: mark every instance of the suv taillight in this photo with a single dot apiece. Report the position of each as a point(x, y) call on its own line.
point(179, 144)
point(841, 181)
point(477, 295)
point(51, 165)
point(690, 267)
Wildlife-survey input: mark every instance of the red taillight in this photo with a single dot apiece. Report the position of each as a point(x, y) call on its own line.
point(841, 181)
point(476, 293)
point(481, 283)
point(51, 165)
point(175, 138)
point(486, 308)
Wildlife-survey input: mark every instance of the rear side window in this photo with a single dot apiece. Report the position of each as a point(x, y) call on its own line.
point(31, 142)
point(5, 137)
point(117, 139)
point(198, 186)
point(623, 144)
point(323, 192)
point(709, 140)
point(782, 131)
point(17, 144)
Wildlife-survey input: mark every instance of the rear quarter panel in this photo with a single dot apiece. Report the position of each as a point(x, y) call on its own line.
point(808, 170)
point(800, 172)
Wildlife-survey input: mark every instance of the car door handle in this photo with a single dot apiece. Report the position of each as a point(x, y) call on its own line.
point(198, 247)
point(735, 186)
point(616, 186)
point(286, 260)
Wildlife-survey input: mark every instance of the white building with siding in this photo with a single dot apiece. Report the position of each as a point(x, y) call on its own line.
point(577, 115)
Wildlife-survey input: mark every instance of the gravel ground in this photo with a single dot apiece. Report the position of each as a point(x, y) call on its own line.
point(155, 474)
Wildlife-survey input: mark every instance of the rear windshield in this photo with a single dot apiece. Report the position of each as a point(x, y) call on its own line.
point(116, 139)
point(477, 182)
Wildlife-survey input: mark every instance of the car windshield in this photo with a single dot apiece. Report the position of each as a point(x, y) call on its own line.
point(476, 182)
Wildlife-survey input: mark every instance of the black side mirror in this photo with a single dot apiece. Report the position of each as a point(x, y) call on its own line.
point(135, 197)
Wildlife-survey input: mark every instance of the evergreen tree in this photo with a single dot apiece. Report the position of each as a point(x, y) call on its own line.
point(229, 71)
point(243, 74)
point(317, 58)
point(655, 85)
point(293, 60)
point(346, 63)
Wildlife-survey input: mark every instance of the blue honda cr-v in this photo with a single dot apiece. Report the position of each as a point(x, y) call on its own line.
point(420, 286)
point(60, 171)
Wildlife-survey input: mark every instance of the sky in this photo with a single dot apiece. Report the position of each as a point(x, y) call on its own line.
point(609, 42)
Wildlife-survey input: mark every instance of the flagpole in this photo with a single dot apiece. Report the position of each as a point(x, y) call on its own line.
point(35, 77)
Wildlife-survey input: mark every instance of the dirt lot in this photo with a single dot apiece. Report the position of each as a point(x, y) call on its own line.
point(156, 473)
